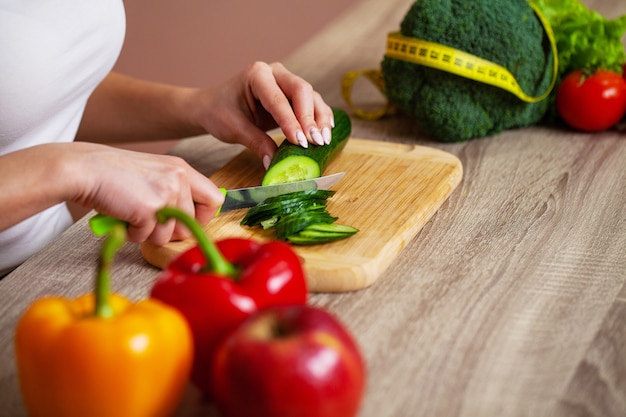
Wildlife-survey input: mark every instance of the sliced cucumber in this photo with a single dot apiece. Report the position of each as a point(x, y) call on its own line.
point(295, 163)
point(328, 229)
point(298, 201)
point(269, 223)
point(295, 222)
point(322, 233)
point(300, 217)
point(292, 168)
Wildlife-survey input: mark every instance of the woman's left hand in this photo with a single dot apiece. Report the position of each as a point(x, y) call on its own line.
point(263, 97)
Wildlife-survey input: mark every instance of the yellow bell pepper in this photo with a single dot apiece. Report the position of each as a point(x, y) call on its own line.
point(102, 355)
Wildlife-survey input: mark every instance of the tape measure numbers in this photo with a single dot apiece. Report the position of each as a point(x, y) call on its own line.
point(445, 58)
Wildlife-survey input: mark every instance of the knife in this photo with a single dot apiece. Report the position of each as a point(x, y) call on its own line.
point(102, 224)
point(251, 196)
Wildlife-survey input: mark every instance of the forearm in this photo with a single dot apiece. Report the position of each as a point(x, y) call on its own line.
point(25, 192)
point(241, 110)
point(127, 185)
point(124, 109)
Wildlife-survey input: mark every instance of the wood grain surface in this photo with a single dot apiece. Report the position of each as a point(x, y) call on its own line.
point(389, 192)
point(510, 302)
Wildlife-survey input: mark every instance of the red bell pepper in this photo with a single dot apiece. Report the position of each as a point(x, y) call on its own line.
point(217, 286)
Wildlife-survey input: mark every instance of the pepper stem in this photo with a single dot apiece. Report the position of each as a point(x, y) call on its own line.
point(112, 243)
point(213, 256)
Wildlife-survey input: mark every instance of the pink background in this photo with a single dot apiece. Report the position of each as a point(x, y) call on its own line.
point(198, 43)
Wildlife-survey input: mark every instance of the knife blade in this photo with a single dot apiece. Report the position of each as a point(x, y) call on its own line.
point(251, 196)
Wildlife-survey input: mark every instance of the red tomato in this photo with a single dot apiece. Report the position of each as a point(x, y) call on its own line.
point(592, 102)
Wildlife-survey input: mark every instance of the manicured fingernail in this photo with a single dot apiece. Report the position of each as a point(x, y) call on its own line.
point(266, 161)
point(332, 122)
point(302, 139)
point(317, 137)
point(326, 135)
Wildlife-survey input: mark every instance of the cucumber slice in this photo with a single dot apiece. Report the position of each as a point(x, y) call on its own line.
point(292, 168)
point(295, 163)
point(329, 229)
point(295, 222)
point(322, 233)
point(307, 241)
point(269, 223)
point(298, 201)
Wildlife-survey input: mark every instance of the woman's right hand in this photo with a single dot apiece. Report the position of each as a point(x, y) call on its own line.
point(132, 186)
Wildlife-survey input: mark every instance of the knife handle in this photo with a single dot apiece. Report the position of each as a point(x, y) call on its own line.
point(223, 190)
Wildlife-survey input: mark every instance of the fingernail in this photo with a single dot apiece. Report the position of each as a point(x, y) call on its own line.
point(326, 135)
point(332, 122)
point(266, 161)
point(302, 139)
point(317, 137)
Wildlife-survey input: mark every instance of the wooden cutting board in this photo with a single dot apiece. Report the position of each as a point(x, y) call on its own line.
point(389, 192)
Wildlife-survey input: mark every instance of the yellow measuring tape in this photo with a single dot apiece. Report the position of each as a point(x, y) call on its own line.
point(445, 58)
point(376, 78)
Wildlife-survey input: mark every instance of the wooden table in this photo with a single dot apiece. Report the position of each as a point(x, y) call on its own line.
point(510, 302)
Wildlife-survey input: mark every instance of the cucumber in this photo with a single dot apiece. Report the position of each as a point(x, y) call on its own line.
point(295, 163)
point(326, 229)
point(293, 223)
point(300, 217)
point(322, 233)
point(282, 205)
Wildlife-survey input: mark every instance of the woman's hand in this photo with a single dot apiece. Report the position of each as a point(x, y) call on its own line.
point(263, 97)
point(132, 186)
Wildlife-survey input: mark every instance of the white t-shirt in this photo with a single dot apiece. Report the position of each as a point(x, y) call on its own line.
point(53, 55)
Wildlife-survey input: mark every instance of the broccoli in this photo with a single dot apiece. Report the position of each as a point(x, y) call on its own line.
point(451, 108)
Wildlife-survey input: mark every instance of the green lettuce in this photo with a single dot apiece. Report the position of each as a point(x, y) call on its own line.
point(585, 39)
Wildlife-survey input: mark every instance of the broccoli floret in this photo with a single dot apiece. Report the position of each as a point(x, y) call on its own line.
point(451, 108)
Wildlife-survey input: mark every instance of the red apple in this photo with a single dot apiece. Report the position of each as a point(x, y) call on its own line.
point(289, 361)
